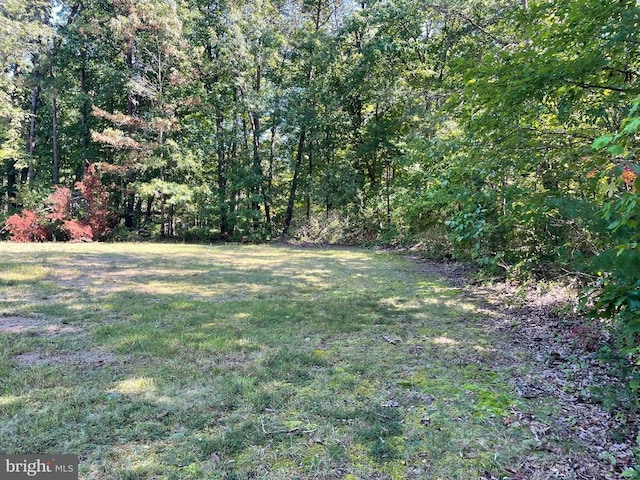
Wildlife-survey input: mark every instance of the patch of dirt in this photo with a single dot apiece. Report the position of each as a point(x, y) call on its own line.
point(94, 358)
point(554, 354)
point(17, 325)
point(455, 274)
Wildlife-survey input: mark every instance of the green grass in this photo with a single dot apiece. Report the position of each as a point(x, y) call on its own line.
point(238, 362)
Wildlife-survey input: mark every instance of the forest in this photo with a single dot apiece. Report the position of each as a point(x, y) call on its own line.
point(501, 132)
point(504, 132)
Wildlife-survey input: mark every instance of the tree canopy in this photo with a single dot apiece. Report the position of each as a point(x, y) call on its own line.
point(497, 131)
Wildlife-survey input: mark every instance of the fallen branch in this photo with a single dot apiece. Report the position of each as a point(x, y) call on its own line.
point(284, 431)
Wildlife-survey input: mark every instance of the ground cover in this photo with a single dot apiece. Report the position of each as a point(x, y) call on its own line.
point(275, 362)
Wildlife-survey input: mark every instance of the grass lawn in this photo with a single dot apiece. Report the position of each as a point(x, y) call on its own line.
point(236, 362)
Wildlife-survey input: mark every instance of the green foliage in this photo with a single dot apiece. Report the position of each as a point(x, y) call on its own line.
point(634, 472)
point(617, 295)
point(467, 127)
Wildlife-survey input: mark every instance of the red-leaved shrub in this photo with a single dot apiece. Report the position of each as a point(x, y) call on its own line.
point(99, 215)
point(93, 224)
point(26, 227)
point(77, 231)
point(60, 201)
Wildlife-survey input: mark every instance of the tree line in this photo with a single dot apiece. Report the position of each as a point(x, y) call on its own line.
point(501, 131)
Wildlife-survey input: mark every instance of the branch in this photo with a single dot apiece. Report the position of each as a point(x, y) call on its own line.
point(625, 72)
point(560, 133)
point(469, 20)
point(286, 431)
point(578, 274)
point(600, 87)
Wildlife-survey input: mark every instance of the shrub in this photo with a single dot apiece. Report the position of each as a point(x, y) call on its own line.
point(78, 231)
point(99, 216)
point(61, 208)
point(26, 227)
point(616, 296)
point(60, 201)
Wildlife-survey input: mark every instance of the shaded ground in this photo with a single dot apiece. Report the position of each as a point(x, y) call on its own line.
point(239, 362)
point(555, 356)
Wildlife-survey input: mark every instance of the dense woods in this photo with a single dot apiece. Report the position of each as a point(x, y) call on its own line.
point(505, 132)
point(467, 124)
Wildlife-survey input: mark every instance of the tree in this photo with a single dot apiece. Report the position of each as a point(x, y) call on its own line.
point(150, 160)
point(311, 49)
point(24, 35)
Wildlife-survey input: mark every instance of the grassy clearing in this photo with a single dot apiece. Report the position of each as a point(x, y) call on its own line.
point(234, 362)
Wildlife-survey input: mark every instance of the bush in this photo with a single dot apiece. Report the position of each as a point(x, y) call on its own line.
point(26, 227)
point(98, 216)
point(616, 296)
point(77, 231)
point(198, 234)
point(80, 218)
point(324, 229)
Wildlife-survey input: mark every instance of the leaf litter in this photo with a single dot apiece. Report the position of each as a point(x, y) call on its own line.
point(553, 353)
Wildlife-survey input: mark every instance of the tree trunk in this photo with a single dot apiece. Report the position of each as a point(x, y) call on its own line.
point(301, 140)
point(257, 164)
point(267, 189)
point(308, 196)
point(54, 138)
point(129, 60)
point(222, 179)
point(11, 184)
point(256, 180)
point(294, 183)
point(129, 212)
point(233, 155)
point(163, 216)
point(388, 191)
point(137, 212)
point(28, 173)
point(171, 222)
point(84, 119)
point(148, 211)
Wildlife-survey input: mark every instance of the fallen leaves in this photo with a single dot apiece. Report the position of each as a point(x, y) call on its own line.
point(538, 429)
point(554, 368)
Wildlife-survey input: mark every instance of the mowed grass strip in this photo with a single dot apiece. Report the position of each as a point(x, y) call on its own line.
point(238, 362)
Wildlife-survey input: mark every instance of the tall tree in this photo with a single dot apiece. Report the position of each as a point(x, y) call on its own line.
point(25, 34)
point(311, 47)
point(150, 163)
